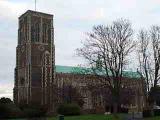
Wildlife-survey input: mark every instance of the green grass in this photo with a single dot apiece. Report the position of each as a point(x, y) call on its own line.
point(95, 117)
point(89, 117)
point(153, 118)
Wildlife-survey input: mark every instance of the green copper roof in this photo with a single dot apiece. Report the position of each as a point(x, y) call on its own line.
point(68, 69)
point(81, 70)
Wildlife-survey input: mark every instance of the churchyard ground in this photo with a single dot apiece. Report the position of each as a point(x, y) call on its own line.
point(94, 117)
point(99, 117)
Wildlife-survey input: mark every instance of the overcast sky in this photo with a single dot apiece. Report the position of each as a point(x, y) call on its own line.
point(72, 19)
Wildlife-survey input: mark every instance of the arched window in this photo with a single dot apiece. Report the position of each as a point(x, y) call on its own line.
point(49, 34)
point(35, 31)
point(22, 81)
point(45, 33)
point(46, 59)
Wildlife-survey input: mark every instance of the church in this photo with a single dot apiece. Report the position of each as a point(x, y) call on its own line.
point(37, 77)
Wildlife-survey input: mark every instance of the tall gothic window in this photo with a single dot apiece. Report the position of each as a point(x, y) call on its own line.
point(35, 59)
point(22, 31)
point(22, 81)
point(21, 34)
point(45, 33)
point(35, 32)
point(36, 77)
point(49, 34)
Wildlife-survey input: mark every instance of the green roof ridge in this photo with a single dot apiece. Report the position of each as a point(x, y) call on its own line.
point(80, 70)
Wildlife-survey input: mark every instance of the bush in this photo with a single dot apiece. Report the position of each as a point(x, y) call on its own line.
point(88, 111)
point(14, 111)
point(3, 111)
point(123, 110)
point(69, 109)
point(30, 112)
point(147, 113)
point(4, 100)
point(10, 111)
point(157, 112)
point(34, 110)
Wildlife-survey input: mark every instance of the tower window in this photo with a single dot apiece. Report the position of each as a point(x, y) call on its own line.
point(36, 78)
point(22, 31)
point(22, 80)
point(35, 32)
point(35, 60)
point(45, 33)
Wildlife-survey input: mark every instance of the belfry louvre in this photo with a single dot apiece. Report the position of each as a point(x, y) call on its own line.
point(37, 78)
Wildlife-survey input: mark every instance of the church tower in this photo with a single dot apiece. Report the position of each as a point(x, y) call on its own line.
point(35, 59)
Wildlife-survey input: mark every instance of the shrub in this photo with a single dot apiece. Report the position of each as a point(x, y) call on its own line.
point(34, 110)
point(69, 109)
point(14, 111)
point(88, 111)
point(10, 111)
point(157, 112)
point(123, 110)
point(30, 112)
point(4, 100)
point(3, 110)
point(147, 113)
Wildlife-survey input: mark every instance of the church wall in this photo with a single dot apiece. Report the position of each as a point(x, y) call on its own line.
point(95, 100)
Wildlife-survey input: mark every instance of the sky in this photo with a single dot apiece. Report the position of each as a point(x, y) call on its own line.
point(72, 19)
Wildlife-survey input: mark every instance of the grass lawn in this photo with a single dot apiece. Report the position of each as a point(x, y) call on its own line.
point(153, 118)
point(94, 117)
point(89, 117)
point(98, 117)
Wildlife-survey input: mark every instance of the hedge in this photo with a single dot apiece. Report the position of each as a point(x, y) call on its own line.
point(69, 109)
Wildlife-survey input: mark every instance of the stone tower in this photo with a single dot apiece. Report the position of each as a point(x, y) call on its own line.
point(35, 59)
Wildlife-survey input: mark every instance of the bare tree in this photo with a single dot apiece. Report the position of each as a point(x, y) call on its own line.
point(106, 49)
point(149, 58)
point(145, 69)
point(149, 55)
point(155, 38)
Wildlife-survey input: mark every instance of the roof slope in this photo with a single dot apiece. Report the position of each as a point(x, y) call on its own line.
point(81, 70)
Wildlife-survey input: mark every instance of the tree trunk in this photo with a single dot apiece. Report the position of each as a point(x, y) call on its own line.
point(115, 107)
point(115, 110)
point(115, 100)
point(152, 109)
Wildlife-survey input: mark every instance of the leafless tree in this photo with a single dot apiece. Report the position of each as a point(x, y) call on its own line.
point(106, 49)
point(149, 56)
point(144, 58)
point(155, 39)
